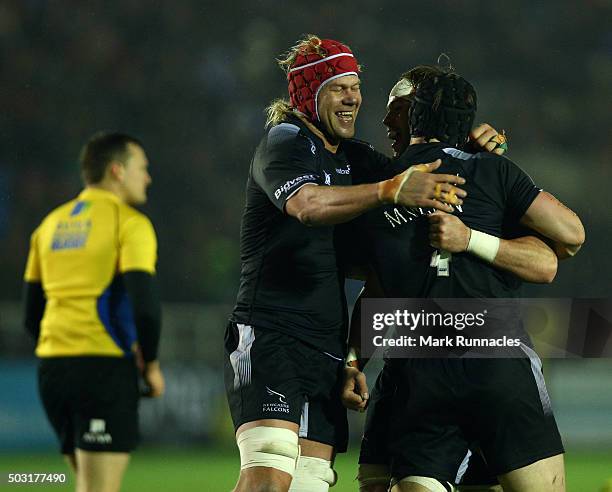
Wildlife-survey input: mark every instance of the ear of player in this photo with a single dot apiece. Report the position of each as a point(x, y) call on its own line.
point(417, 186)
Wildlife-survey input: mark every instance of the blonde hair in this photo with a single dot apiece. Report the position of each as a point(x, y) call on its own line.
point(278, 111)
point(309, 44)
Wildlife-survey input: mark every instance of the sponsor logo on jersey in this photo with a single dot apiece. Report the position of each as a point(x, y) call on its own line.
point(79, 207)
point(71, 234)
point(344, 171)
point(97, 432)
point(292, 183)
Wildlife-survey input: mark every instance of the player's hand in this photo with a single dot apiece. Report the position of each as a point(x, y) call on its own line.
point(487, 138)
point(355, 390)
point(418, 187)
point(448, 232)
point(154, 379)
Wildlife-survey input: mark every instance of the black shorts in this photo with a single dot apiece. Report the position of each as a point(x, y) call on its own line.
point(91, 402)
point(448, 406)
point(374, 443)
point(270, 375)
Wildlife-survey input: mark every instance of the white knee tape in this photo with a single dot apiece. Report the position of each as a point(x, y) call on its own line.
point(429, 483)
point(312, 475)
point(268, 446)
point(369, 475)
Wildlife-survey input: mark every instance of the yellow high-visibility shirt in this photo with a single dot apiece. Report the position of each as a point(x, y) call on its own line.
point(78, 253)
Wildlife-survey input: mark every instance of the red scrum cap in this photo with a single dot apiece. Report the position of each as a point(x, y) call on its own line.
point(310, 71)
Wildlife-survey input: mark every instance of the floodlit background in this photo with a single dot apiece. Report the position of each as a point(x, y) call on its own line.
point(190, 79)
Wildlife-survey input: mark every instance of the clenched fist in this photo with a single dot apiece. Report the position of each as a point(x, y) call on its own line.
point(447, 232)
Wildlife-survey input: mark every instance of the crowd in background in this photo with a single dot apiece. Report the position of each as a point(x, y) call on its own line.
point(191, 80)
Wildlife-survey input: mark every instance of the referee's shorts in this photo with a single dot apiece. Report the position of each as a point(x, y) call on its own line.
point(91, 402)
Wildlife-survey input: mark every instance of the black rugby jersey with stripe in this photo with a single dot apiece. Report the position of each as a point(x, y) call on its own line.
point(289, 280)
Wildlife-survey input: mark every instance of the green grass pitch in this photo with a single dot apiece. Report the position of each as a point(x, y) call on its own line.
point(215, 470)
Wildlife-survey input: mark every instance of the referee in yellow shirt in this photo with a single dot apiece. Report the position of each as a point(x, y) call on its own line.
point(92, 305)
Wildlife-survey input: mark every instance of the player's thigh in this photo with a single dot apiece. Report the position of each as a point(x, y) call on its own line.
point(268, 454)
point(100, 471)
point(546, 475)
point(409, 487)
point(422, 484)
point(479, 488)
point(316, 449)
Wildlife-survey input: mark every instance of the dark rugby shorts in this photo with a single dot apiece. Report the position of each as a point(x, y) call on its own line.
point(271, 375)
point(500, 406)
point(375, 440)
point(91, 402)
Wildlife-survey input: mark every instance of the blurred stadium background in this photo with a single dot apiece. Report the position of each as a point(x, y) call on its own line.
point(190, 79)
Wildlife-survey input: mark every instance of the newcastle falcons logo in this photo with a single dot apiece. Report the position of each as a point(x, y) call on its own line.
point(281, 397)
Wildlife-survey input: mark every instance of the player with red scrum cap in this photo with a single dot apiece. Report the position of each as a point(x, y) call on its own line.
point(285, 341)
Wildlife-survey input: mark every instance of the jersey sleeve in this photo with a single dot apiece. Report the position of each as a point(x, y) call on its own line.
point(138, 245)
point(367, 164)
point(286, 162)
point(32, 271)
point(520, 190)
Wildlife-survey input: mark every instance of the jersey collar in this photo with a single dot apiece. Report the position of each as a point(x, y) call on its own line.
point(92, 193)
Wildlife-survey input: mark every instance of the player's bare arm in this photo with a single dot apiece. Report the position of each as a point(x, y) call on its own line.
point(528, 257)
point(561, 225)
point(415, 187)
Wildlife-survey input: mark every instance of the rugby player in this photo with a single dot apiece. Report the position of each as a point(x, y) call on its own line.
point(525, 457)
point(92, 306)
point(286, 339)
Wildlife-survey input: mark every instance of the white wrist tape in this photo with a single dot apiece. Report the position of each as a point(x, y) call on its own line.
point(352, 355)
point(407, 174)
point(483, 245)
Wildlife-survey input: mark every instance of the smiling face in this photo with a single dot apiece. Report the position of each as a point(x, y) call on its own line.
point(338, 104)
point(398, 123)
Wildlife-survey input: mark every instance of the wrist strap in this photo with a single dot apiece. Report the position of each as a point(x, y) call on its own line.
point(483, 245)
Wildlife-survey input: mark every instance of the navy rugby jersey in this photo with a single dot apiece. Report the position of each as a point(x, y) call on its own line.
point(289, 280)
